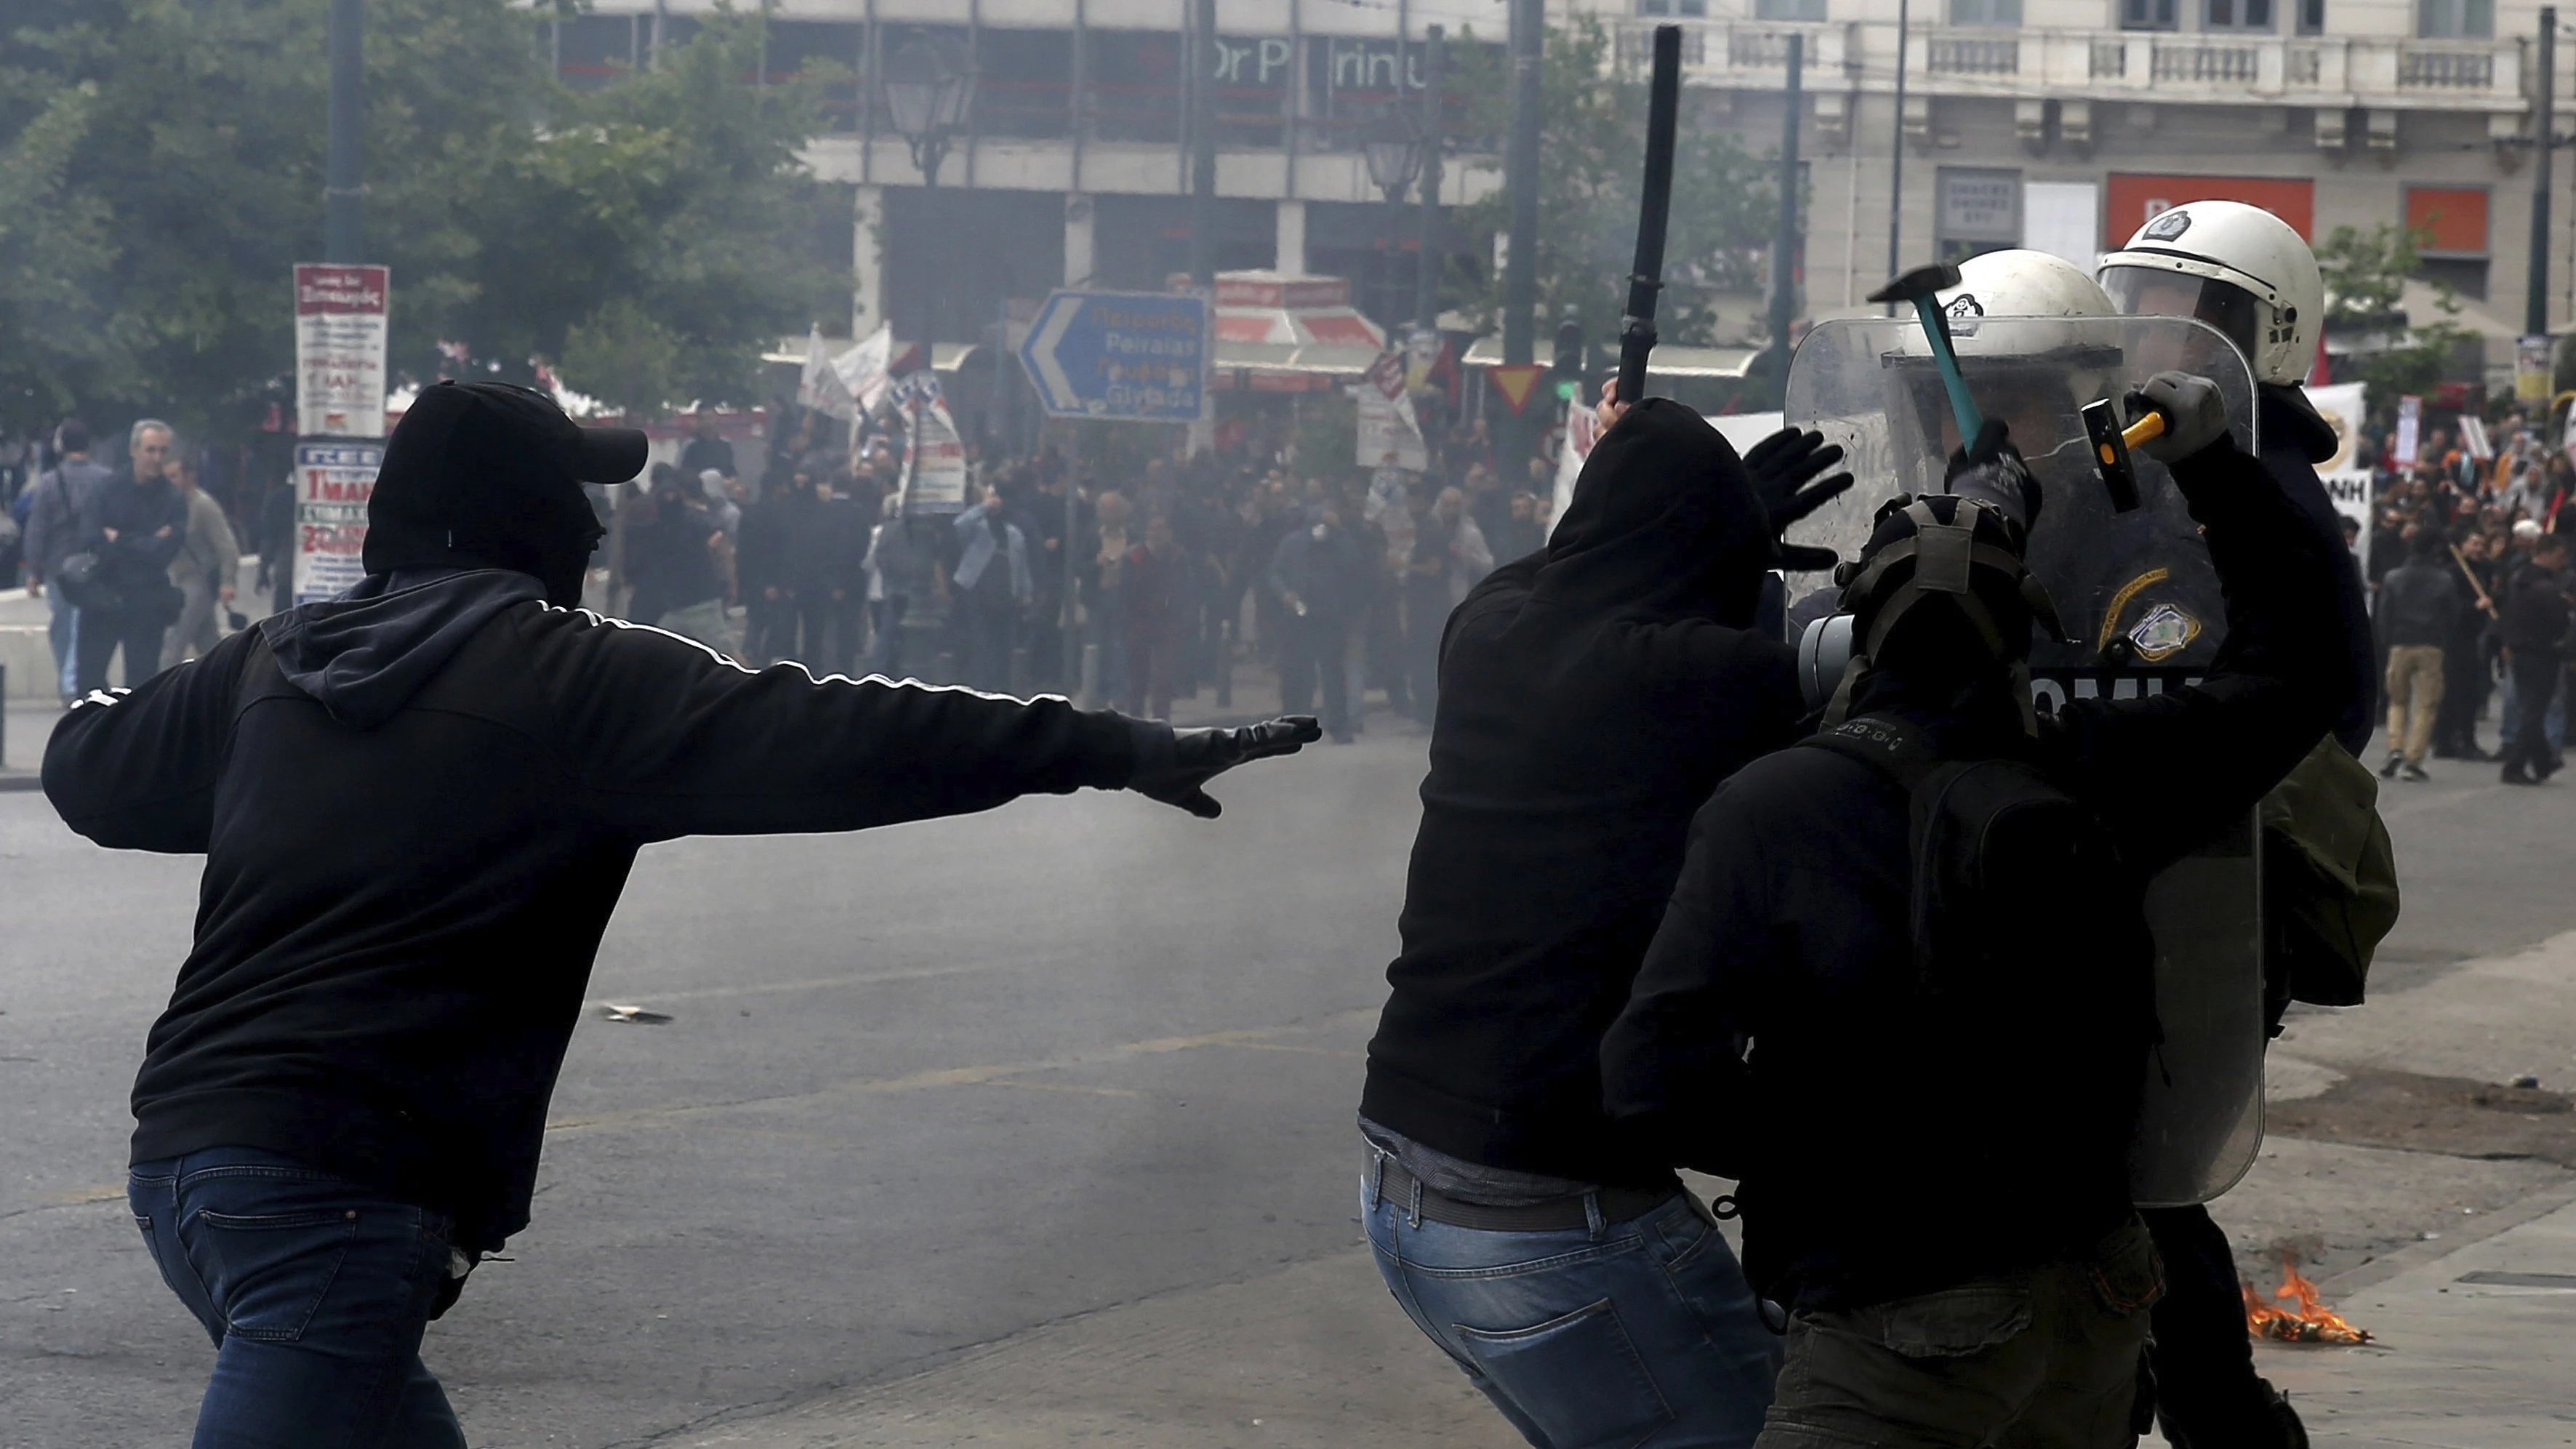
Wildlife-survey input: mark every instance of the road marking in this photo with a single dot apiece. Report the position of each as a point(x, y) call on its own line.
point(810, 983)
point(974, 1076)
point(1283, 1046)
point(1064, 1087)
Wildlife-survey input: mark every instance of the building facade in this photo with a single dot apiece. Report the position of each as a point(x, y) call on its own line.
point(2060, 124)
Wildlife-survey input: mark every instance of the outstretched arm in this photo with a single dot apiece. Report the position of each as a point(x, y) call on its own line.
point(669, 738)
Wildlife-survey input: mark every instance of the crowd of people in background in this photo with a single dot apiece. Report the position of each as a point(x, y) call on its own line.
point(137, 561)
point(2467, 563)
point(1145, 582)
point(1161, 577)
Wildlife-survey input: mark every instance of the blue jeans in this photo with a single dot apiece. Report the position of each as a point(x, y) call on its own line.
point(62, 631)
point(315, 1292)
point(1634, 1335)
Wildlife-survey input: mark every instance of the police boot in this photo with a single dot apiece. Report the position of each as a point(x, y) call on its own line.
point(2275, 1426)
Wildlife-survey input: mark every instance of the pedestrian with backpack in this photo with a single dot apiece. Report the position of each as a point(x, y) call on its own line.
point(1930, 925)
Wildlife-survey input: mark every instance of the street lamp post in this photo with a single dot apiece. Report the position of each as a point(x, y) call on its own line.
point(1394, 160)
point(928, 87)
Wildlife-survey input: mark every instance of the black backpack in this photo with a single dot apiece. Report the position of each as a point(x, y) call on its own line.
point(2009, 870)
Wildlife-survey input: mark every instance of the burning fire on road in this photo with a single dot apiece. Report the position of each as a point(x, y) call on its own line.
point(2309, 1322)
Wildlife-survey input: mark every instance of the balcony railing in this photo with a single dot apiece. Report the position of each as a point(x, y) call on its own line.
point(2323, 71)
point(2206, 64)
point(2448, 70)
point(1948, 55)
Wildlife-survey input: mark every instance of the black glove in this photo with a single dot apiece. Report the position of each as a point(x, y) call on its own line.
point(1173, 765)
point(2195, 415)
point(1783, 467)
point(1991, 470)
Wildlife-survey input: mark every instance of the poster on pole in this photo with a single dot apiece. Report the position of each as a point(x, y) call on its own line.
point(2410, 430)
point(340, 349)
point(334, 477)
point(2347, 474)
point(934, 456)
point(2531, 369)
point(1390, 434)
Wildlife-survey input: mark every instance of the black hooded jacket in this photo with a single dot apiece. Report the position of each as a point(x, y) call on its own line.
point(1591, 696)
point(418, 804)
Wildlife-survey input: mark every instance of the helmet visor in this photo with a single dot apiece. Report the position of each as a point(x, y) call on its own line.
point(2150, 292)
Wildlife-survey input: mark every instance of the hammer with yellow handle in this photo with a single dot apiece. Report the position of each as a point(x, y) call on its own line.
point(2111, 445)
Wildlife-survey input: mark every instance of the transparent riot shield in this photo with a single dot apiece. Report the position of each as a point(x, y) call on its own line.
point(2141, 603)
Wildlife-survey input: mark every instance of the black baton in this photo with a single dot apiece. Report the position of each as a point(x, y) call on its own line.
point(1654, 209)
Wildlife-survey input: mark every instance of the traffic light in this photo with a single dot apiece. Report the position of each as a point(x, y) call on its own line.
point(1569, 357)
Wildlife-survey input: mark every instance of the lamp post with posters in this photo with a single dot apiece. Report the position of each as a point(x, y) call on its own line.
point(1394, 160)
point(928, 88)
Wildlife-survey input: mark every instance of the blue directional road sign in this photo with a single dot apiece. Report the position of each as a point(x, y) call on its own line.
point(1141, 356)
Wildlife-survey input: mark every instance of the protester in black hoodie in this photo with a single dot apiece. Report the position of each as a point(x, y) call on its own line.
point(1590, 697)
point(1949, 1224)
point(419, 803)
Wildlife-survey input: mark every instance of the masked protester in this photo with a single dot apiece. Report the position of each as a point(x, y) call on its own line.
point(1950, 1019)
point(1590, 696)
point(419, 802)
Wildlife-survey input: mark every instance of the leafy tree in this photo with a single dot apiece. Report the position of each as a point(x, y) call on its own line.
point(2366, 275)
point(668, 210)
point(1592, 148)
point(161, 169)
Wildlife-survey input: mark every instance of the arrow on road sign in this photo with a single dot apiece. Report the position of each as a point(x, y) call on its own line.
point(1140, 356)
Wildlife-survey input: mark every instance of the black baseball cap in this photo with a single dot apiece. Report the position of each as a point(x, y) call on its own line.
point(488, 473)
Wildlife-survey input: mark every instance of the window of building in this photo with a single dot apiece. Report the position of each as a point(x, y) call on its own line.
point(1687, 9)
point(592, 50)
point(2451, 234)
point(1788, 9)
point(2312, 17)
point(2455, 19)
point(1024, 82)
point(2149, 15)
point(831, 49)
point(1985, 12)
point(2236, 15)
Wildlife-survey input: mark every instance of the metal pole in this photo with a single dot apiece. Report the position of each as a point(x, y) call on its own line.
point(1426, 280)
point(2535, 318)
point(1520, 268)
point(1203, 50)
point(1517, 440)
point(343, 183)
point(1896, 152)
point(1784, 241)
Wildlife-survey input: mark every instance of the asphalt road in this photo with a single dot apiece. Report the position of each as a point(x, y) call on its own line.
point(924, 1088)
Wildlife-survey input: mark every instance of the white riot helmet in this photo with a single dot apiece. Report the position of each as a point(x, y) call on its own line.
point(2236, 267)
point(2035, 337)
point(2018, 283)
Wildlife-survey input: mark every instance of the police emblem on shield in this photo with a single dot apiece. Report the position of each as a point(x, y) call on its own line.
point(2165, 632)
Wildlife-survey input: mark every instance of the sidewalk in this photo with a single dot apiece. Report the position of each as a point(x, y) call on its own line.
point(2476, 1348)
point(22, 748)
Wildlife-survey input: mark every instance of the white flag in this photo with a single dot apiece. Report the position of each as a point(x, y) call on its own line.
point(863, 368)
point(819, 387)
